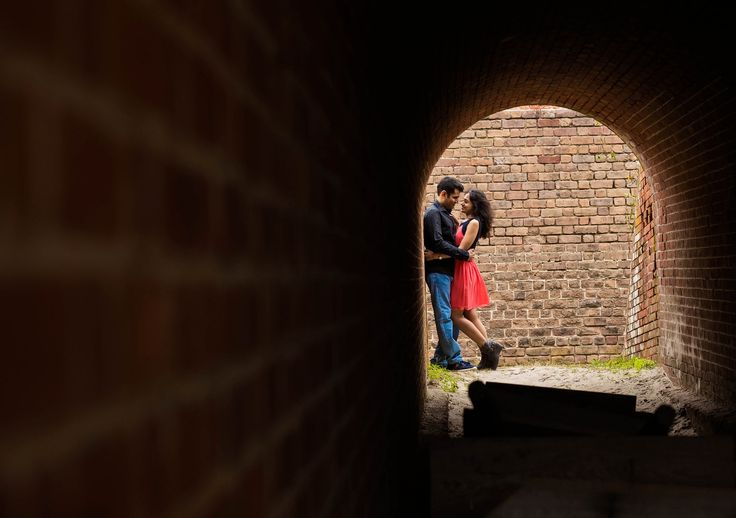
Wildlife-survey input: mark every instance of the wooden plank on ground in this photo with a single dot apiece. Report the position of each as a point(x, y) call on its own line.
point(501, 409)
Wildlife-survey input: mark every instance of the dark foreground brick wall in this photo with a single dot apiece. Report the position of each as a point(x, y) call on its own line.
point(187, 319)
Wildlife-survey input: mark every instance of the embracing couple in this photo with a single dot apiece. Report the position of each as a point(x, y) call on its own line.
point(455, 283)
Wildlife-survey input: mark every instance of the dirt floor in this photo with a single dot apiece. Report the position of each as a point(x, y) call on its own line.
point(444, 411)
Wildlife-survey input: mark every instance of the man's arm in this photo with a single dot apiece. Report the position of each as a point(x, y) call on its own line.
point(434, 241)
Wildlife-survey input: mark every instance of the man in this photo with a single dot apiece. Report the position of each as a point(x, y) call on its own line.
point(439, 237)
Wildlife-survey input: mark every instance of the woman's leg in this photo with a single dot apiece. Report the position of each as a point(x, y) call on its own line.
point(467, 327)
point(472, 315)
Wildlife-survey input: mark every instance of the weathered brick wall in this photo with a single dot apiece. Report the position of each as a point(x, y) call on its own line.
point(642, 331)
point(562, 188)
point(181, 275)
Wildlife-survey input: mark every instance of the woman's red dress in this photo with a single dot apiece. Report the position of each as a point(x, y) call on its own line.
point(468, 289)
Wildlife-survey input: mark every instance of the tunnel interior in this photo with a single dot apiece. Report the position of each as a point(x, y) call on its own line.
point(209, 231)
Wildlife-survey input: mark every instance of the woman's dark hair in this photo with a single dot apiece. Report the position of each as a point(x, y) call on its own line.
point(449, 185)
point(482, 211)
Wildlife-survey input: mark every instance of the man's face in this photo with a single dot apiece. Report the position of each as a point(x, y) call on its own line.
point(449, 201)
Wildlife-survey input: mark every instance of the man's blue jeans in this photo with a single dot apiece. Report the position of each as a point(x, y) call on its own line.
point(448, 350)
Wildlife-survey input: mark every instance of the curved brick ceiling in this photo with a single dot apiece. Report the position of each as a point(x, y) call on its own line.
point(647, 74)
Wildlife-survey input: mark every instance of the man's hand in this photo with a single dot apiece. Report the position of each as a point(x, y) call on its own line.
point(429, 255)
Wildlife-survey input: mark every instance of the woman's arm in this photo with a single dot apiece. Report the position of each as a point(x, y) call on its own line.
point(470, 234)
point(433, 239)
point(429, 255)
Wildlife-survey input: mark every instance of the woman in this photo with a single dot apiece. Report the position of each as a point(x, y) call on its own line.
point(468, 288)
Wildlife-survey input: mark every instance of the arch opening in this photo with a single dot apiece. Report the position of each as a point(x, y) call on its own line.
point(567, 232)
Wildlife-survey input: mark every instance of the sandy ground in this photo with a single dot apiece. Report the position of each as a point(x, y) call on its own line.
point(651, 387)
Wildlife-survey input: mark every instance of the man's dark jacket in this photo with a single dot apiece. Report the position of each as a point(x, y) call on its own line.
point(439, 236)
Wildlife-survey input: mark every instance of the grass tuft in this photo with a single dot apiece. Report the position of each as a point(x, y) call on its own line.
point(442, 377)
point(622, 364)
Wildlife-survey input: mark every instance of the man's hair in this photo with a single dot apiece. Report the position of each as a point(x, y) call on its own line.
point(449, 185)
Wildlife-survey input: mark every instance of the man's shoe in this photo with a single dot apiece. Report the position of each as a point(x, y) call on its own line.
point(460, 366)
point(439, 363)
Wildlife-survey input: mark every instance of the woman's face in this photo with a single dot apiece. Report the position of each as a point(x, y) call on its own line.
point(466, 206)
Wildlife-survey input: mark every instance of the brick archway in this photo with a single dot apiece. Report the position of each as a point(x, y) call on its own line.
point(672, 111)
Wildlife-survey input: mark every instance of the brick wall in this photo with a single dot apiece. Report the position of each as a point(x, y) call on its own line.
point(562, 189)
point(642, 330)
